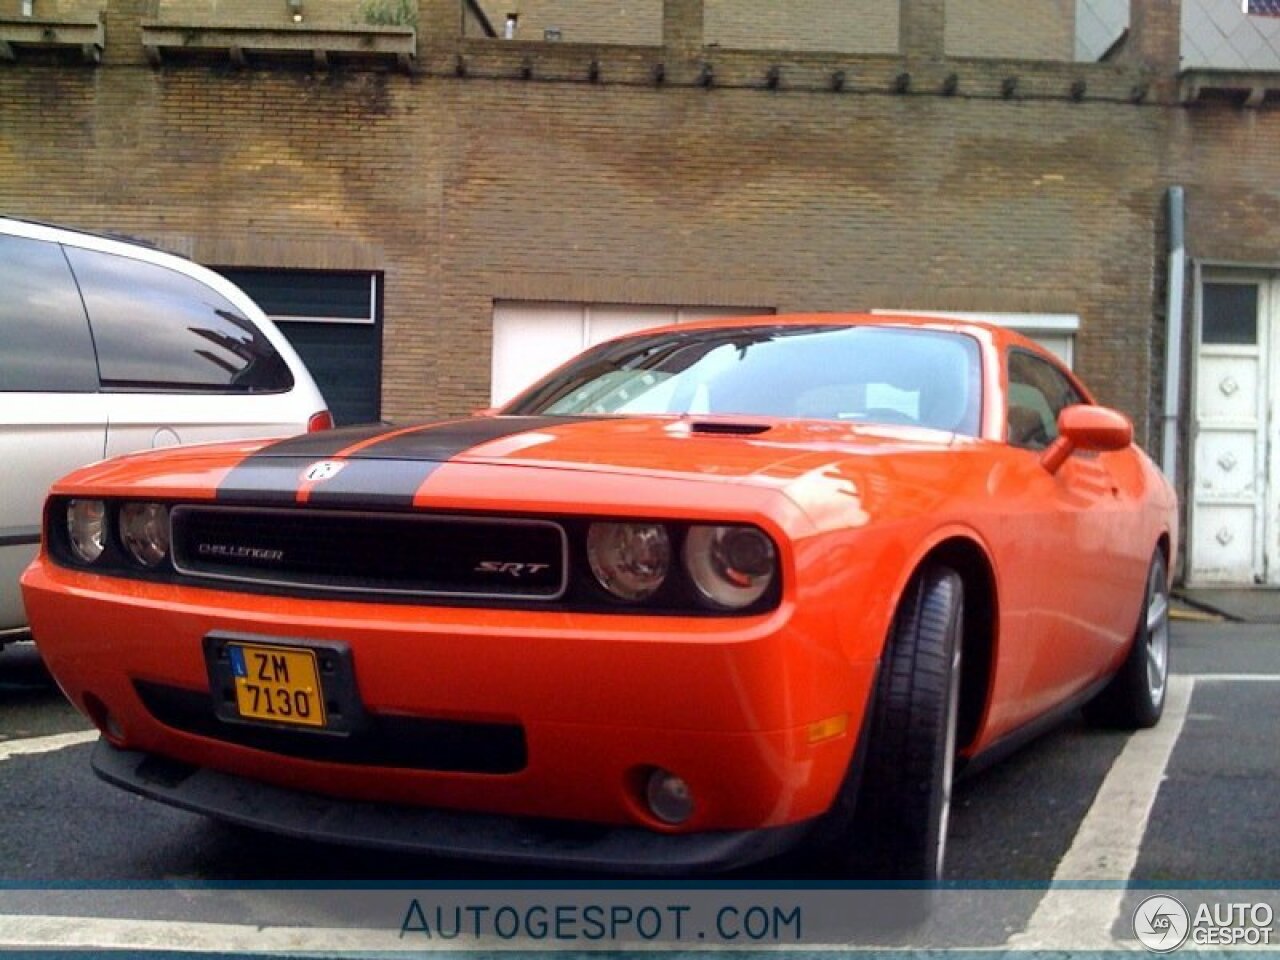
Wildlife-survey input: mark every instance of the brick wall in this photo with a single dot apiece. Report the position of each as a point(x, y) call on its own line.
point(1229, 161)
point(582, 21)
point(1025, 29)
point(1031, 29)
point(467, 190)
point(255, 11)
point(849, 26)
point(54, 8)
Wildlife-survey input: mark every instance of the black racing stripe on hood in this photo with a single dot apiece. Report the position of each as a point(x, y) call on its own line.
point(322, 443)
point(384, 474)
point(264, 480)
point(273, 474)
point(373, 483)
point(444, 441)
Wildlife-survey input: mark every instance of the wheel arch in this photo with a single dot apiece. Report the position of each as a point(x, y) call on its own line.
point(969, 559)
point(1164, 543)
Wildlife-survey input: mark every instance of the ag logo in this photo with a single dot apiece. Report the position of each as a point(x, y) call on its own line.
point(322, 470)
point(1161, 924)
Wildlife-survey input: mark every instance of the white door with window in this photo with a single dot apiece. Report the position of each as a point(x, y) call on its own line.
point(532, 338)
point(1234, 531)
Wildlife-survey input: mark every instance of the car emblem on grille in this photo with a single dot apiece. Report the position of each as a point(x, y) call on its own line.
point(510, 568)
point(322, 470)
point(236, 551)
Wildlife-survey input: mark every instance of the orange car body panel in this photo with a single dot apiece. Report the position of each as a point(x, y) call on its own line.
point(726, 701)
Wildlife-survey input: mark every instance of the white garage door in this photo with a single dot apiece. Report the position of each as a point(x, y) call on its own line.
point(531, 338)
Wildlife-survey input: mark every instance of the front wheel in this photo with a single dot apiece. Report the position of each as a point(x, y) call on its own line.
point(904, 804)
point(1134, 698)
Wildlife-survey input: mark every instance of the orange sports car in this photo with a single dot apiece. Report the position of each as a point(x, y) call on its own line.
point(703, 594)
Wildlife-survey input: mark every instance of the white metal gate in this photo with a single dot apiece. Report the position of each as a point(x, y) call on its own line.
point(1233, 535)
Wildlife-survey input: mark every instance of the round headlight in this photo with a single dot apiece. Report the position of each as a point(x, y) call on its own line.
point(87, 528)
point(630, 560)
point(144, 531)
point(732, 567)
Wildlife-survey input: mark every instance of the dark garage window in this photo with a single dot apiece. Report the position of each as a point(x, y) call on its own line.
point(333, 318)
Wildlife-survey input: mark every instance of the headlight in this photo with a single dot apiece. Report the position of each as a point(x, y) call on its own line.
point(86, 528)
point(631, 560)
point(732, 567)
point(144, 530)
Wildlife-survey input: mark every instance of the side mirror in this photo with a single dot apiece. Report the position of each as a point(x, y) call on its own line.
point(1083, 427)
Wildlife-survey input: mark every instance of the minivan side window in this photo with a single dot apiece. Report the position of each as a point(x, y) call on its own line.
point(45, 345)
point(157, 329)
point(1038, 392)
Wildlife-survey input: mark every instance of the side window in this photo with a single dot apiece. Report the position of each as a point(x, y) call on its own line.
point(157, 329)
point(44, 336)
point(1038, 392)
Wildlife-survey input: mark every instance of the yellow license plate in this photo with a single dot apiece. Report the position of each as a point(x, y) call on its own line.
point(277, 684)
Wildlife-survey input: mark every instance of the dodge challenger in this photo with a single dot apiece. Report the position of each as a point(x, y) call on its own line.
point(704, 594)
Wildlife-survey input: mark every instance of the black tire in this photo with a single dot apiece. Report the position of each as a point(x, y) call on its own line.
point(1134, 699)
point(899, 830)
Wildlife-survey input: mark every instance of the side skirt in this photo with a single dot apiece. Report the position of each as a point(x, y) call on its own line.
point(1015, 740)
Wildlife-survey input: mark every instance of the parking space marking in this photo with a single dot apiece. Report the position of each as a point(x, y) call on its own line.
point(1108, 840)
point(1236, 677)
point(100, 933)
point(57, 741)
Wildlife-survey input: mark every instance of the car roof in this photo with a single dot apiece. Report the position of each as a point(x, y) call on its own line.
point(987, 330)
point(114, 237)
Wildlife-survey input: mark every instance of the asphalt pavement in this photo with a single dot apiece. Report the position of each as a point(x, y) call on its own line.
point(1214, 804)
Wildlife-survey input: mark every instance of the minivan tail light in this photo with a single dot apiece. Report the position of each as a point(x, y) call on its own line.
point(320, 421)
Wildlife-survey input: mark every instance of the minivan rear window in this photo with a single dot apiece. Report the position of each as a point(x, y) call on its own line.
point(157, 329)
point(45, 344)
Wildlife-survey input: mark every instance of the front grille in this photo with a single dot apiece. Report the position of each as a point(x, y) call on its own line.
point(412, 743)
point(382, 553)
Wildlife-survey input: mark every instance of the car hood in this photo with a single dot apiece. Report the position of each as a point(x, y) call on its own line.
point(713, 448)
point(394, 467)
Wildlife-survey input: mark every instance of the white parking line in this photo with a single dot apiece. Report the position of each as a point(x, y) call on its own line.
point(98, 933)
point(1236, 677)
point(58, 741)
point(1107, 842)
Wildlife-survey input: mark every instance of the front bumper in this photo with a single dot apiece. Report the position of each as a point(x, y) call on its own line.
point(729, 705)
point(469, 836)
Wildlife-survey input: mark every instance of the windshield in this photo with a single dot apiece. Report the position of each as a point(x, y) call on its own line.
point(867, 374)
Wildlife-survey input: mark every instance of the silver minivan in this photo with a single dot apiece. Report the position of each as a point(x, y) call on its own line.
point(109, 346)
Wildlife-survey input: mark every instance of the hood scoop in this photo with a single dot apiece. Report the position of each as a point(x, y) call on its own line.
point(727, 428)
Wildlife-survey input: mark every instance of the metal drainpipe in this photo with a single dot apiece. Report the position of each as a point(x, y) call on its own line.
point(1173, 338)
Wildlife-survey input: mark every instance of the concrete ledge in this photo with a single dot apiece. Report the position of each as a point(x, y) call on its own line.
point(18, 34)
point(797, 71)
point(1247, 88)
point(398, 45)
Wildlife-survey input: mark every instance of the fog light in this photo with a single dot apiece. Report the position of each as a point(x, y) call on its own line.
point(668, 797)
point(103, 719)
